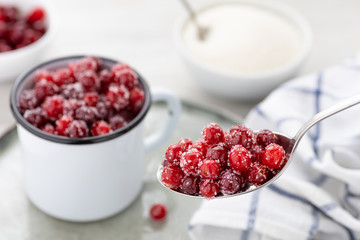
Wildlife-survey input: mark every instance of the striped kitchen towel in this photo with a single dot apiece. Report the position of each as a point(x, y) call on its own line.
point(318, 197)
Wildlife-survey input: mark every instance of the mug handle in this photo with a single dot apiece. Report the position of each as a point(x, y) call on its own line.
point(174, 105)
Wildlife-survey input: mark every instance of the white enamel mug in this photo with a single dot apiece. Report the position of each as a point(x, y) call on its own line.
point(90, 178)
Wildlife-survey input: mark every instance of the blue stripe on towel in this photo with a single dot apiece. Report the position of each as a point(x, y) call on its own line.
point(315, 223)
point(252, 215)
point(260, 112)
point(320, 180)
point(329, 207)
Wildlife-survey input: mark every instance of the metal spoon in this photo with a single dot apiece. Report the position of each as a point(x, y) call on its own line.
point(202, 31)
point(289, 144)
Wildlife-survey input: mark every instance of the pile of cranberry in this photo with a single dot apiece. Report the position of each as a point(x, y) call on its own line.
point(222, 163)
point(17, 31)
point(84, 99)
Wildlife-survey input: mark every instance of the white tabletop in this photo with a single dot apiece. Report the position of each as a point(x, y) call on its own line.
point(139, 32)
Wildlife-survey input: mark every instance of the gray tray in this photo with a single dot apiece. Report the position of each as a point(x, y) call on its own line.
point(20, 220)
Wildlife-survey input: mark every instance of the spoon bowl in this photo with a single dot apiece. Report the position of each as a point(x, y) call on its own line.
point(289, 144)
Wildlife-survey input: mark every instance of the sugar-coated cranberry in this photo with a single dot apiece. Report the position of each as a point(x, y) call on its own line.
point(63, 76)
point(27, 100)
point(77, 129)
point(5, 46)
point(218, 152)
point(209, 188)
point(105, 77)
point(39, 26)
point(89, 80)
point(11, 13)
point(70, 106)
point(239, 158)
point(136, 99)
point(88, 63)
point(209, 169)
point(3, 29)
point(185, 144)
point(190, 185)
point(265, 137)
point(86, 113)
point(62, 124)
point(45, 89)
point(240, 135)
point(16, 32)
point(172, 176)
point(104, 109)
point(117, 122)
point(54, 106)
point(165, 163)
point(48, 128)
point(257, 174)
point(201, 146)
point(126, 77)
point(189, 161)
point(213, 134)
point(273, 156)
point(119, 67)
point(158, 212)
point(36, 117)
point(74, 90)
point(173, 154)
point(29, 36)
point(230, 182)
point(256, 153)
point(118, 97)
point(36, 15)
point(43, 75)
point(91, 98)
point(100, 128)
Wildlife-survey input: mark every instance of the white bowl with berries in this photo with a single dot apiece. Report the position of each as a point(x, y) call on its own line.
point(26, 28)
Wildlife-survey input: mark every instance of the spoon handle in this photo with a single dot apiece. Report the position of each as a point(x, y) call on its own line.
point(349, 102)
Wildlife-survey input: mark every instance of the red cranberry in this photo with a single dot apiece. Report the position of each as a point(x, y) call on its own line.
point(44, 89)
point(77, 129)
point(39, 26)
point(172, 176)
point(239, 158)
point(117, 122)
point(91, 98)
point(36, 15)
point(54, 106)
point(118, 97)
point(48, 128)
point(88, 114)
point(63, 76)
point(190, 185)
point(5, 47)
point(16, 32)
point(74, 90)
point(185, 144)
point(3, 29)
point(120, 66)
point(136, 99)
point(105, 77)
point(11, 13)
point(62, 124)
point(265, 137)
point(189, 161)
point(257, 174)
point(70, 106)
point(158, 212)
point(213, 134)
point(85, 64)
point(173, 154)
point(89, 80)
point(273, 156)
point(230, 182)
point(36, 117)
point(104, 110)
point(240, 135)
point(220, 153)
point(27, 100)
point(209, 188)
point(201, 146)
point(126, 77)
point(209, 169)
point(256, 153)
point(43, 75)
point(29, 37)
point(100, 128)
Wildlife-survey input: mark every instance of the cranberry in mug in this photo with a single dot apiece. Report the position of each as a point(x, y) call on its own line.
point(84, 99)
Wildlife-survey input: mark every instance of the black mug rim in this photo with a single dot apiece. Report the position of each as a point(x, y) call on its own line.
point(67, 140)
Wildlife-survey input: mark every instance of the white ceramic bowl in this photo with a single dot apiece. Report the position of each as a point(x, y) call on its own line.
point(15, 62)
point(245, 86)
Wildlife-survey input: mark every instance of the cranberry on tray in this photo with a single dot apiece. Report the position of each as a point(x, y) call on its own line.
point(222, 163)
point(19, 30)
point(79, 101)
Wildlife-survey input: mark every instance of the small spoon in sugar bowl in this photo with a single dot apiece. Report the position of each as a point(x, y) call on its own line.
point(289, 144)
point(201, 30)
